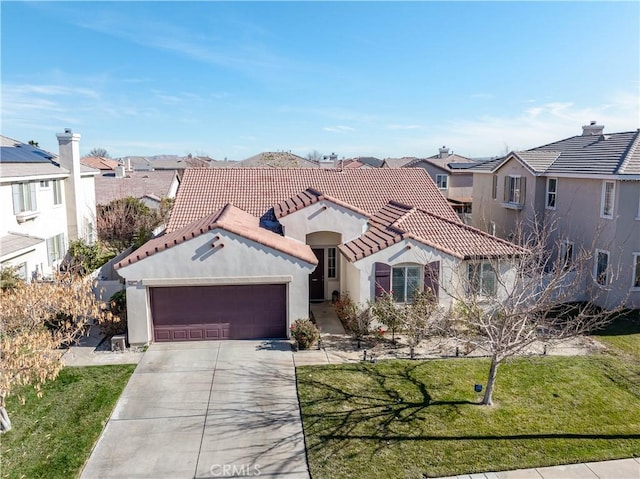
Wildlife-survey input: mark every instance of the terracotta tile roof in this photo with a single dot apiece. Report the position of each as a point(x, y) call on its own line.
point(396, 222)
point(277, 159)
point(135, 183)
point(307, 198)
point(255, 190)
point(228, 218)
point(99, 163)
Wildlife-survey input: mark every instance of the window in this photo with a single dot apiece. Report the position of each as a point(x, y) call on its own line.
point(482, 279)
point(55, 248)
point(57, 192)
point(442, 181)
point(608, 190)
point(494, 187)
point(601, 267)
point(405, 281)
point(552, 190)
point(332, 266)
point(24, 197)
point(45, 184)
point(636, 271)
point(492, 228)
point(514, 190)
point(566, 254)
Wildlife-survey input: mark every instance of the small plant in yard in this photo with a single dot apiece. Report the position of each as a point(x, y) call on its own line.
point(388, 312)
point(305, 333)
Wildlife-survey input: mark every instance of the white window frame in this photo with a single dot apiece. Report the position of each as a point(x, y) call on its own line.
point(406, 267)
point(45, 184)
point(596, 268)
point(638, 215)
point(476, 282)
point(442, 181)
point(635, 274)
point(606, 210)
point(551, 204)
point(494, 187)
point(56, 248)
point(57, 192)
point(332, 263)
point(24, 198)
point(567, 259)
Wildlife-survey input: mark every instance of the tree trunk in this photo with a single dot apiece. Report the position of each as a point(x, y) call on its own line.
point(5, 422)
point(493, 371)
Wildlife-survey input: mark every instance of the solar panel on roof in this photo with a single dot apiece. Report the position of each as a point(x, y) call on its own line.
point(23, 154)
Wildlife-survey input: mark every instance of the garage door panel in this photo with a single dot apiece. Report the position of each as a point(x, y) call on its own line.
point(218, 312)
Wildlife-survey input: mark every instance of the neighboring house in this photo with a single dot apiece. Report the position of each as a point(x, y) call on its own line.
point(45, 202)
point(148, 186)
point(247, 249)
point(277, 159)
point(169, 162)
point(105, 165)
point(452, 176)
point(586, 190)
point(397, 162)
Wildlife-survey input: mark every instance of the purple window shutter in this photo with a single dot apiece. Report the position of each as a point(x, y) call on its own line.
point(383, 278)
point(432, 277)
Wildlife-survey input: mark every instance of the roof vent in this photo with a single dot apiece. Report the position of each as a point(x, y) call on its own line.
point(592, 129)
point(68, 130)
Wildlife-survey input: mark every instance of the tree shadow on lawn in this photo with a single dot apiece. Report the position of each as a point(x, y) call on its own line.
point(385, 409)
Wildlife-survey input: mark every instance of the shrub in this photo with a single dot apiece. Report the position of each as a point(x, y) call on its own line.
point(388, 312)
point(9, 278)
point(305, 333)
point(116, 322)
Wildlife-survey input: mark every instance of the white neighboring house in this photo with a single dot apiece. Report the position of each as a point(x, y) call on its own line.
point(45, 202)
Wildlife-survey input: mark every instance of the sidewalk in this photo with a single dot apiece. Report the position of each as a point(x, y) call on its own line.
point(618, 469)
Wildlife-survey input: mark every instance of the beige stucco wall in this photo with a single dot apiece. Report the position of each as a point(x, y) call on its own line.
point(195, 262)
point(323, 216)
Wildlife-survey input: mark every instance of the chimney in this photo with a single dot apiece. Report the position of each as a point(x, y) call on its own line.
point(443, 152)
point(120, 171)
point(592, 129)
point(128, 163)
point(69, 157)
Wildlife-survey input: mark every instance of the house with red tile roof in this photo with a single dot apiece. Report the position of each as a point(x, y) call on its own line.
point(247, 249)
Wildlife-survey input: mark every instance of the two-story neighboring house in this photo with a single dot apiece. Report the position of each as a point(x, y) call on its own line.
point(586, 191)
point(45, 202)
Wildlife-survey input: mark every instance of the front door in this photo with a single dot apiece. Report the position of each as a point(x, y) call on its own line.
point(316, 279)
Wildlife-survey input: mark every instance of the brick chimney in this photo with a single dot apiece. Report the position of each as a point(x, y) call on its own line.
point(69, 157)
point(592, 129)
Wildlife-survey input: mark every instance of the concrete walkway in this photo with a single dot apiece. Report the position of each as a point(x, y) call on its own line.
point(92, 350)
point(206, 409)
point(618, 469)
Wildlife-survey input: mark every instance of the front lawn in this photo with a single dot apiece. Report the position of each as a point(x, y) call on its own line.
point(419, 419)
point(623, 334)
point(52, 436)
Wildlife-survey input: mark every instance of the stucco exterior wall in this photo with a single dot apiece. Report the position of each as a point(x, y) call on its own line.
point(88, 212)
point(195, 262)
point(323, 216)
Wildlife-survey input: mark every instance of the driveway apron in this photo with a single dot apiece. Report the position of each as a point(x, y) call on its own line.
point(203, 410)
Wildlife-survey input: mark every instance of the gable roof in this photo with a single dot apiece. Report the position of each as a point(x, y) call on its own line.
point(606, 154)
point(306, 198)
point(135, 183)
point(99, 163)
point(397, 162)
point(21, 159)
point(256, 190)
point(396, 222)
point(228, 218)
point(451, 163)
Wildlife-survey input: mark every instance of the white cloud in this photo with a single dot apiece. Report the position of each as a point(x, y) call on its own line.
point(338, 129)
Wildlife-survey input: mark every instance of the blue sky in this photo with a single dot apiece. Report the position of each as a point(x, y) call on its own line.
point(383, 79)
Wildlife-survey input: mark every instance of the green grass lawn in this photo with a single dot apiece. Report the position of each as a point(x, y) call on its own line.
point(623, 334)
point(52, 436)
point(420, 418)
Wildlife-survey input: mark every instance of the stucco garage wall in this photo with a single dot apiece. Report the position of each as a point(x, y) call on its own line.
point(323, 216)
point(196, 262)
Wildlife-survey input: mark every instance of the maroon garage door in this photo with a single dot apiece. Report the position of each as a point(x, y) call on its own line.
point(192, 313)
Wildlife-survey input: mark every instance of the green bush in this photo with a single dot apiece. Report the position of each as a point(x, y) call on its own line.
point(305, 333)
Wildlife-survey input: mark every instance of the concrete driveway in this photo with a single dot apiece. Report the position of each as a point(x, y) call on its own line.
point(206, 409)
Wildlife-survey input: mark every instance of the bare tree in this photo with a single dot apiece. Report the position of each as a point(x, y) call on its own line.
point(315, 156)
point(504, 306)
point(100, 152)
point(36, 319)
point(128, 221)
